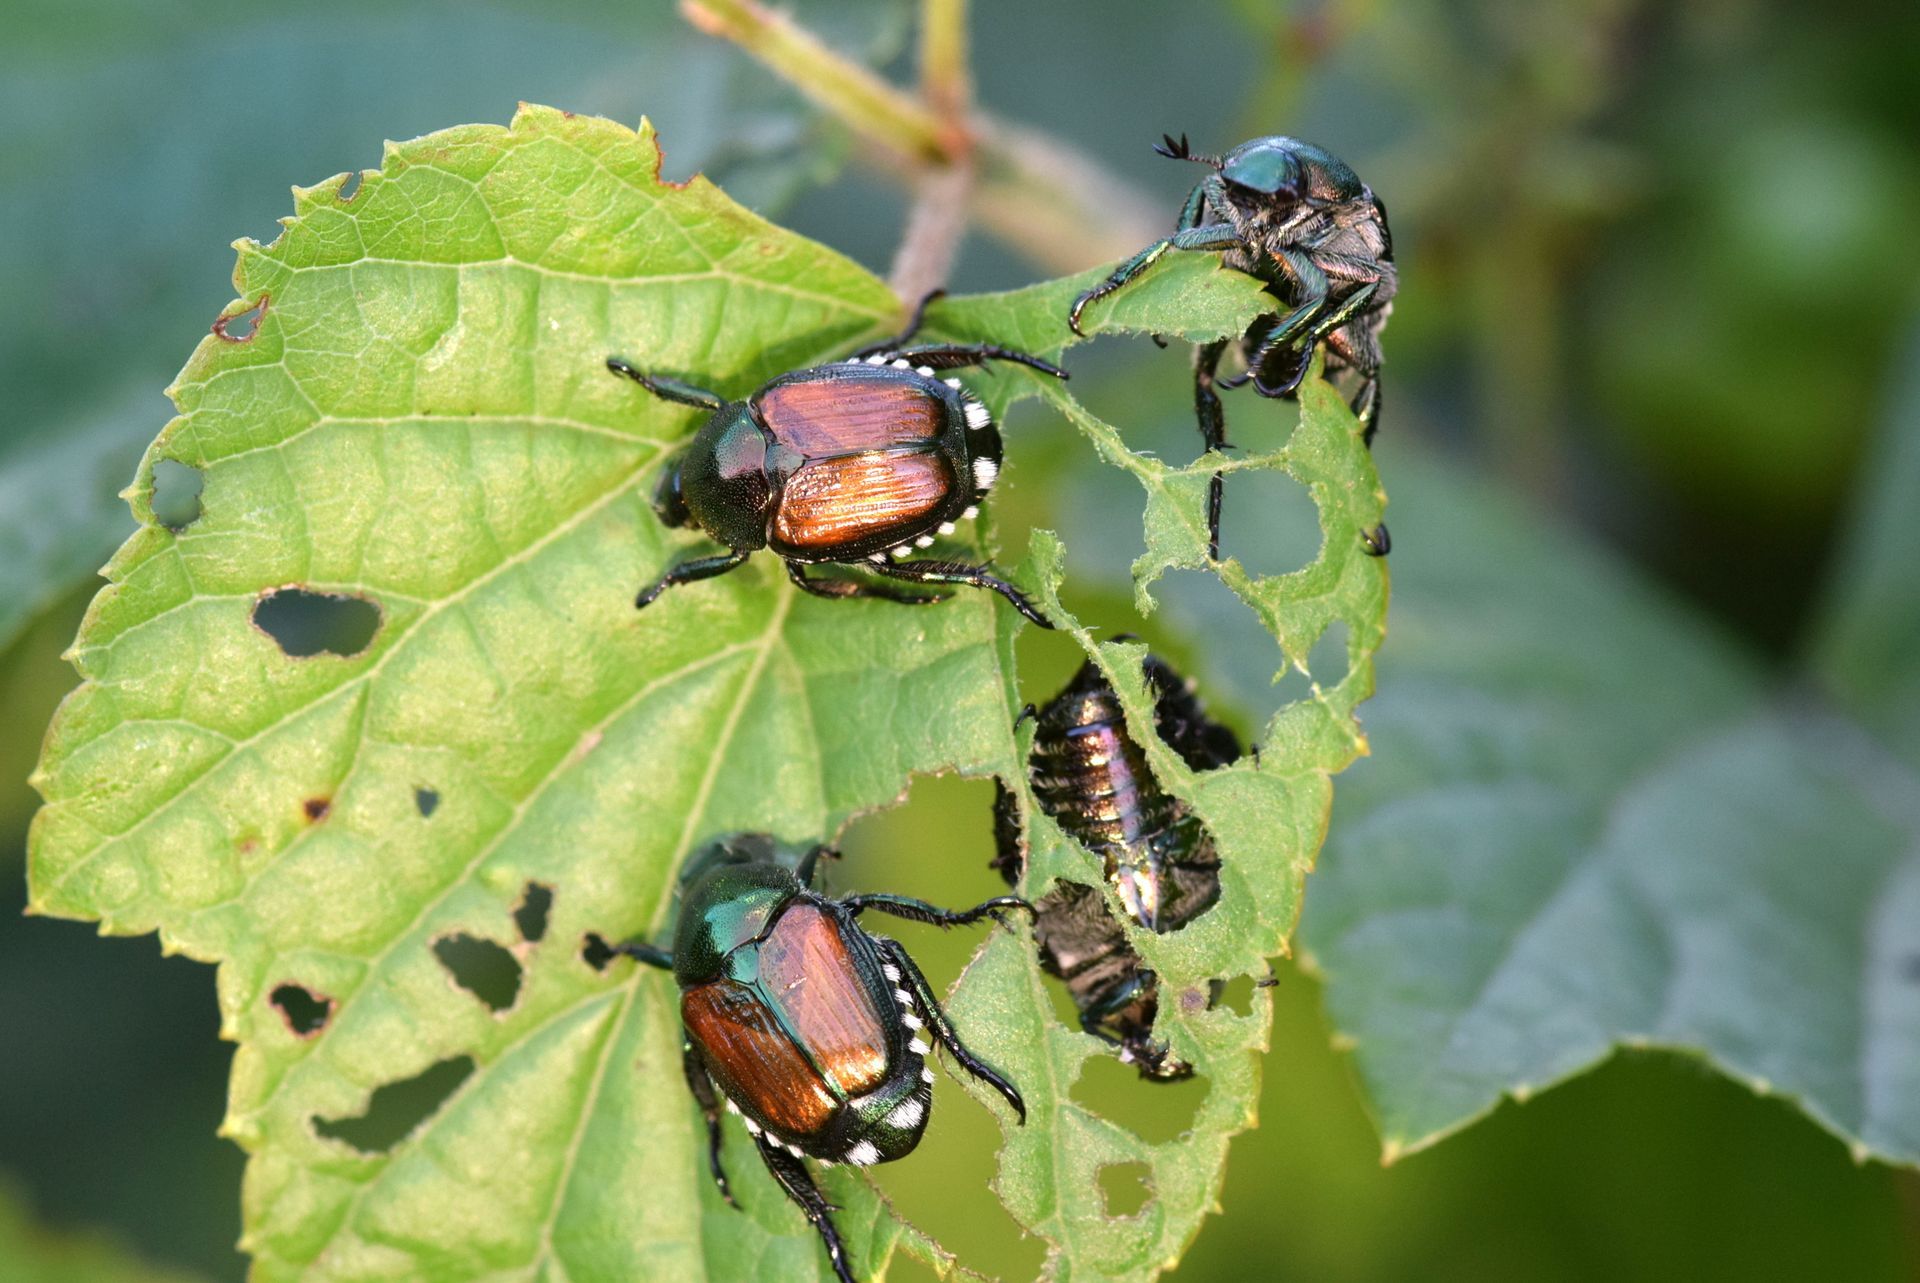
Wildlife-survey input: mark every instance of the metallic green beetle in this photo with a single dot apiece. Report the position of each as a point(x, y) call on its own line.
point(1298, 218)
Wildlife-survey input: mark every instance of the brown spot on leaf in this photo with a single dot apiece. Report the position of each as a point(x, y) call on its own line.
point(317, 808)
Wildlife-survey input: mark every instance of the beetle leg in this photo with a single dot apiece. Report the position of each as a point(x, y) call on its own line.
point(901, 906)
point(799, 1186)
point(642, 952)
point(1360, 349)
point(810, 863)
point(951, 356)
point(701, 1085)
point(1366, 407)
point(1010, 856)
point(1296, 332)
point(668, 389)
point(953, 572)
point(847, 588)
point(943, 1028)
point(914, 322)
point(1203, 237)
point(689, 571)
point(1213, 429)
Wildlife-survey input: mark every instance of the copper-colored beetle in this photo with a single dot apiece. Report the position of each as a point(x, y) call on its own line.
point(862, 462)
point(802, 1022)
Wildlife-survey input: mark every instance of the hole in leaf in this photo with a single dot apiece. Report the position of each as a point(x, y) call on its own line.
point(393, 1111)
point(1268, 522)
point(530, 915)
point(483, 968)
point(305, 1011)
point(351, 187)
point(1238, 662)
point(1156, 1112)
point(596, 952)
point(1327, 661)
point(426, 800)
point(1236, 995)
point(176, 494)
point(305, 623)
point(1124, 1189)
point(316, 808)
point(240, 327)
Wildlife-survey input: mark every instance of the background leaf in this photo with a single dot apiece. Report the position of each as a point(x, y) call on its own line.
point(407, 406)
point(1603, 827)
point(31, 1254)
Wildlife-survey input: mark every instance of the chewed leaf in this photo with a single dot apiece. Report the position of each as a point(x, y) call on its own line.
point(1268, 814)
point(422, 421)
point(377, 728)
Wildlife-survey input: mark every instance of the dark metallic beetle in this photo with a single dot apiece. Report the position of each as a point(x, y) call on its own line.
point(803, 1023)
point(1093, 779)
point(1295, 216)
point(863, 461)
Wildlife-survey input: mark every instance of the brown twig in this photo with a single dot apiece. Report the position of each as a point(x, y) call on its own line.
point(1049, 202)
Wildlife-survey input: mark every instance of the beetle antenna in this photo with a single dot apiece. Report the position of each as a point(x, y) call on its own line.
point(1181, 150)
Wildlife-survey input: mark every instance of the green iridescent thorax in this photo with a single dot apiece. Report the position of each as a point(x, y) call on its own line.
point(1277, 164)
point(722, 478)
point(724, 909)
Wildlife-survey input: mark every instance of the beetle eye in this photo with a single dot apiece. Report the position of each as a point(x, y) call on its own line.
point(669, 500)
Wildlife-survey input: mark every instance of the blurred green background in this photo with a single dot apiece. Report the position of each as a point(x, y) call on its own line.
point(1660, 276)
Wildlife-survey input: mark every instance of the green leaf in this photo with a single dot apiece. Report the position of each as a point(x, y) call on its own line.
point(420, 417)
point(60, 510)
point(1868, 651)
point(1589, 823)
point(30, 1253)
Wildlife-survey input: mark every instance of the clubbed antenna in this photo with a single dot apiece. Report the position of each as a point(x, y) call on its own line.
point(1181, 151)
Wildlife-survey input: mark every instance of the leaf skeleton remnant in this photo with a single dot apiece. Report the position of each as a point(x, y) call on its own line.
point(421, 422)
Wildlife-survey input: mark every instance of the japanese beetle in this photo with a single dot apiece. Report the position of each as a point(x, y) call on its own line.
point(1093, 779)
point(801, 1022)
point(859, 462)
point(1298, 218)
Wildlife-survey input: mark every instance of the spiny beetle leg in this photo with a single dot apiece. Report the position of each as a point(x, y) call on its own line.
point(810, 863)
point(690, 571)
point(793, 1178)
point(1213, 429)
point(668, 389)
point(825, 587)
point(702, 1088)
point(954, 572)
point(952, 356)
point(901, 906)
point(905, 336)
point(943, 1028)
point(642, 952)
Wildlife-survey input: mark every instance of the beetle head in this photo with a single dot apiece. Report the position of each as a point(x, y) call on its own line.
point(720, 483)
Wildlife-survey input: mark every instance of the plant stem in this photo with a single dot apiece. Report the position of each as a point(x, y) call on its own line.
point(1051, 203)
point(944, 80)
point(943, 197)
point(880, 113)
